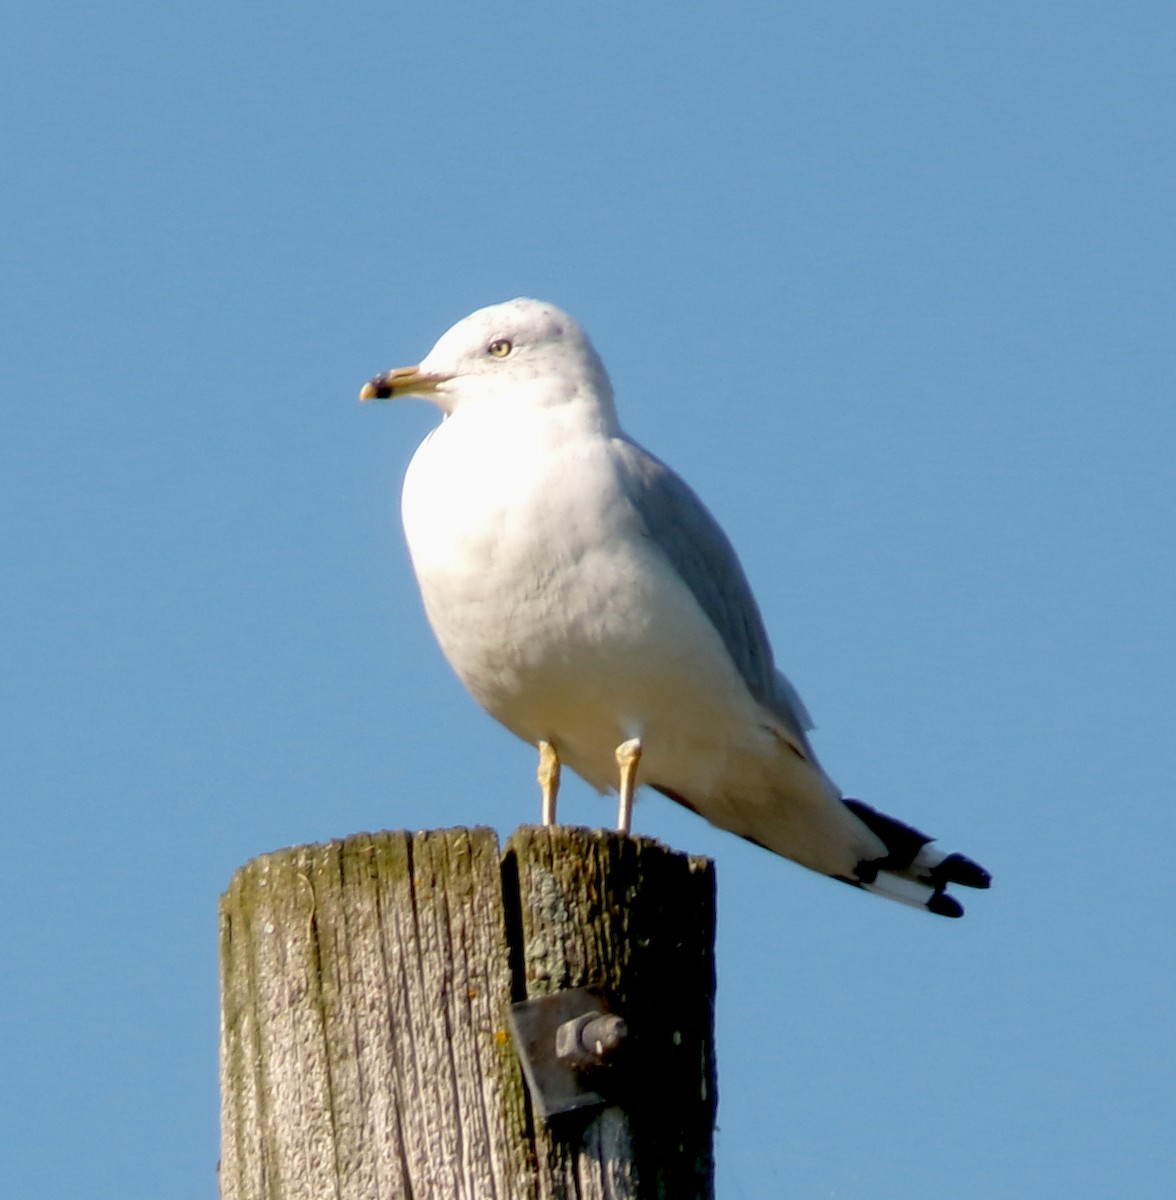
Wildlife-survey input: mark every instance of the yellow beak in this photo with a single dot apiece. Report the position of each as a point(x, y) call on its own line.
point(404, 381)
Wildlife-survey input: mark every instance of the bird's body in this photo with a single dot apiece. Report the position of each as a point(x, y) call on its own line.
point(590, 603)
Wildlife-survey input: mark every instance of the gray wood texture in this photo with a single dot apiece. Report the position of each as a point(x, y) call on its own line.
point(365, 986)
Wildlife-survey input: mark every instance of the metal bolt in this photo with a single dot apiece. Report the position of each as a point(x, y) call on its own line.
point(590, 1040)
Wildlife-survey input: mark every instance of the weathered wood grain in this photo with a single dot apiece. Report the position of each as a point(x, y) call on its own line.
point(598, 907)
point(365, 990)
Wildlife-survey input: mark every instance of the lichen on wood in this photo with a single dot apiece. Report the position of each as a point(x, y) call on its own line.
point(365, 990)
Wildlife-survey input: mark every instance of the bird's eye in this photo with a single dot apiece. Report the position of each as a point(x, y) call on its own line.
point(500, 348)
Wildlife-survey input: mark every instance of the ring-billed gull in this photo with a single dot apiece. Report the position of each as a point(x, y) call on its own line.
point(589, 602)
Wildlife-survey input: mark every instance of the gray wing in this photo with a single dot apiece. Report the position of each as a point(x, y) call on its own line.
point(680, 526)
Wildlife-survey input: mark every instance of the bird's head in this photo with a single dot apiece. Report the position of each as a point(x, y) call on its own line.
point(522, 351)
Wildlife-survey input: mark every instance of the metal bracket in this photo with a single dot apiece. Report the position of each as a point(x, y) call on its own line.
point(567, 1042)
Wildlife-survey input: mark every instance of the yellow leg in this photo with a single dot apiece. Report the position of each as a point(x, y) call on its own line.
point(628, 756)
point(548, 780)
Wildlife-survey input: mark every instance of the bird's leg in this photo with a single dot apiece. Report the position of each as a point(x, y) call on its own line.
point(628, 756)
point(548, 774)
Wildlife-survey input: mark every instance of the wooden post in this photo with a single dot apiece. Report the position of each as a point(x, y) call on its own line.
point(365, 991)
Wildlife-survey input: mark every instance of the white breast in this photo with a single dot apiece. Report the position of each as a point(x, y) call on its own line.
point(560, 618)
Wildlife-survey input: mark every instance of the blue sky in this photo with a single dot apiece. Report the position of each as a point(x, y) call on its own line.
point(891, 285)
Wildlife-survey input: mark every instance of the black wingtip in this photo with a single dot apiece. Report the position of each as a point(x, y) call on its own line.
point(943, 905)
point(956, 868)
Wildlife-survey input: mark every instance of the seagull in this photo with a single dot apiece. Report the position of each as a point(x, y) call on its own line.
point(590, 603)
